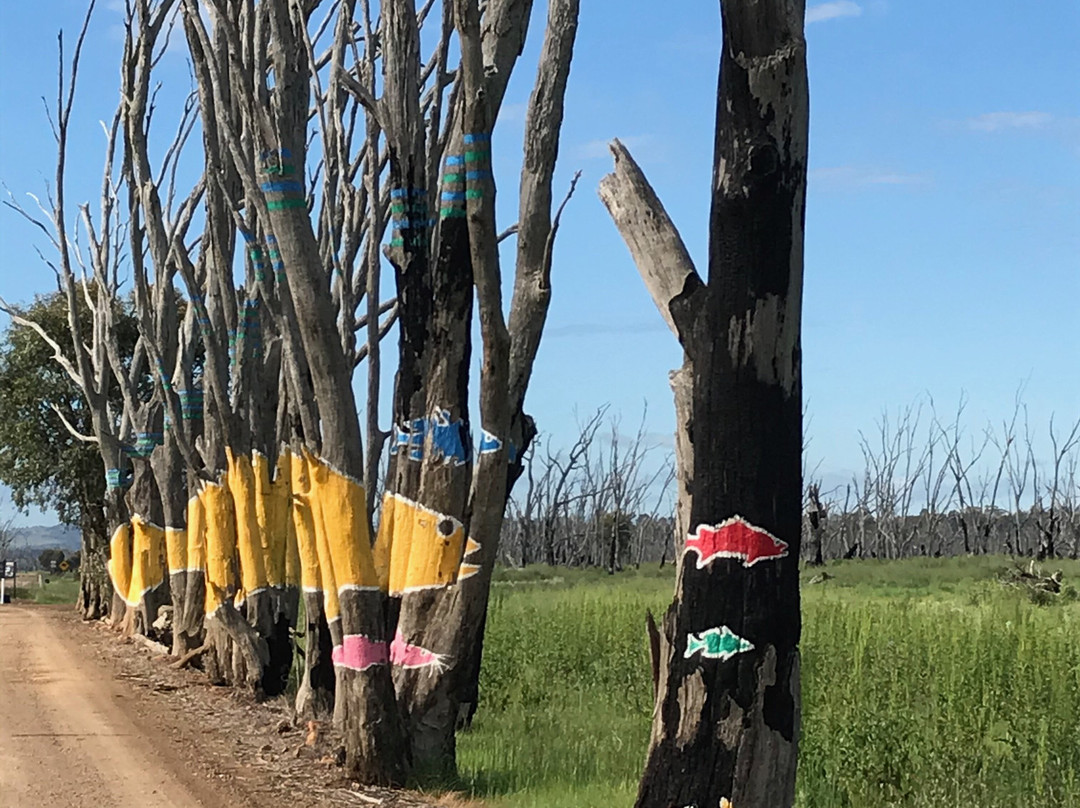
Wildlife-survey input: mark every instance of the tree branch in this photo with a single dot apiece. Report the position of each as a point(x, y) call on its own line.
point(70, 428)
point(655, 244)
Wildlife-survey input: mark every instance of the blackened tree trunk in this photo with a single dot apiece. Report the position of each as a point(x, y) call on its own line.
point(726, 721)
point(817, 516)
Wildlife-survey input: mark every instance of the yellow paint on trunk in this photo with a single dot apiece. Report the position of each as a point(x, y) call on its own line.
point(272, 514)
point(303, 524)
point(340, 507)
point(196, 534)
point(327, 582)
point(147, 558)
point(241, 480)
point(220, 516)
point(120, 560)
point(417, 547)
point(176, 544)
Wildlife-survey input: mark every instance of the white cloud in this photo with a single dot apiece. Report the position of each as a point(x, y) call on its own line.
point(832, 11)
point(513, 113)
point(598, 149)
point(840, 177)
point(1002, 121)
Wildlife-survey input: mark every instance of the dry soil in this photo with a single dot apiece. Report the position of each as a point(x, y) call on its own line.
point(88, 718)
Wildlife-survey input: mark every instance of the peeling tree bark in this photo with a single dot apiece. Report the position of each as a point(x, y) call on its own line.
point(726, 721)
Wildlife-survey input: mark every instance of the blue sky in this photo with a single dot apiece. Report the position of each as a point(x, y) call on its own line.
point(943, 218)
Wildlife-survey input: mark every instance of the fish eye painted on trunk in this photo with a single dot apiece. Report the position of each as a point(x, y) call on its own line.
point(417, 548)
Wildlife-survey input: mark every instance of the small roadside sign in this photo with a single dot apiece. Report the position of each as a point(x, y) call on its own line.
point(64, 566)
point(7, 571)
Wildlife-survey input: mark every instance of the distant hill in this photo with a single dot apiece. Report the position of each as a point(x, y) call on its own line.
point(42, 537)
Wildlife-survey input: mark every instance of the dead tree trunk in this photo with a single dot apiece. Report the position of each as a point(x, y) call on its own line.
point(726, 721)
point(95, 589)
point(816, 515)
point(454, 518)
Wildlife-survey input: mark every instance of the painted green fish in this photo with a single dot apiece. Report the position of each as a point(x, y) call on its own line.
point(716, 643)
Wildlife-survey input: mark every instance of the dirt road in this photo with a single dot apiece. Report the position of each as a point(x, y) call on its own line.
point(92, 719)
point(67, 736)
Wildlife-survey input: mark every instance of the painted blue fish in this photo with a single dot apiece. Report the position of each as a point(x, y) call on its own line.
point(448, 440)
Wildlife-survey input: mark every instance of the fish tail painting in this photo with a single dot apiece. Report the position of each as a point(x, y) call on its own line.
point(272, 486)
point(303, 525)
point(242, 486)
point(716, 643)
point(176, 549)
point(220, 538)
point(325, 563)
point(195, 535)
point(406, 655)
point(470, 562)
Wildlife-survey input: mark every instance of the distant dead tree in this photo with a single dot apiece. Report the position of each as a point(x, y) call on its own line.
point(726, 721)
point(816, 515)
point(88, 276)
point(1055, 500)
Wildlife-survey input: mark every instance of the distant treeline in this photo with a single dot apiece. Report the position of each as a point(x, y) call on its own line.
point(928, 487)
point(576, 541)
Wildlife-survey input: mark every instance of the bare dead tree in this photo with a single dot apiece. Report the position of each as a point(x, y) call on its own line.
point(1017, 465)
point(1048, 517)
point(257, 76)
point(817, 515)
point(443, 615)
point(726, 719)
point(96, 355)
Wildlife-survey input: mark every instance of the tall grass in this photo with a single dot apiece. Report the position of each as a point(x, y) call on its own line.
point(924, 684)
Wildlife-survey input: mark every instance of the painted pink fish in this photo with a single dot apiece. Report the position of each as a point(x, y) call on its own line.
point(359, 653)
point(406, 655)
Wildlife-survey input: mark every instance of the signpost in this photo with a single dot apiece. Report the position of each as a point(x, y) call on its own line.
point(7, 572)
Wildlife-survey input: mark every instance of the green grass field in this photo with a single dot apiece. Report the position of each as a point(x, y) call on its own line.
point(925, 683)
point(61, 588)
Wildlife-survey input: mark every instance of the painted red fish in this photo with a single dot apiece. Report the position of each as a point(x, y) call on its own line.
point(735, 538)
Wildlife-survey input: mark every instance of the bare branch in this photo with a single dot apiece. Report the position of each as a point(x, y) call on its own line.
point(67, 425)
point(655, 244)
